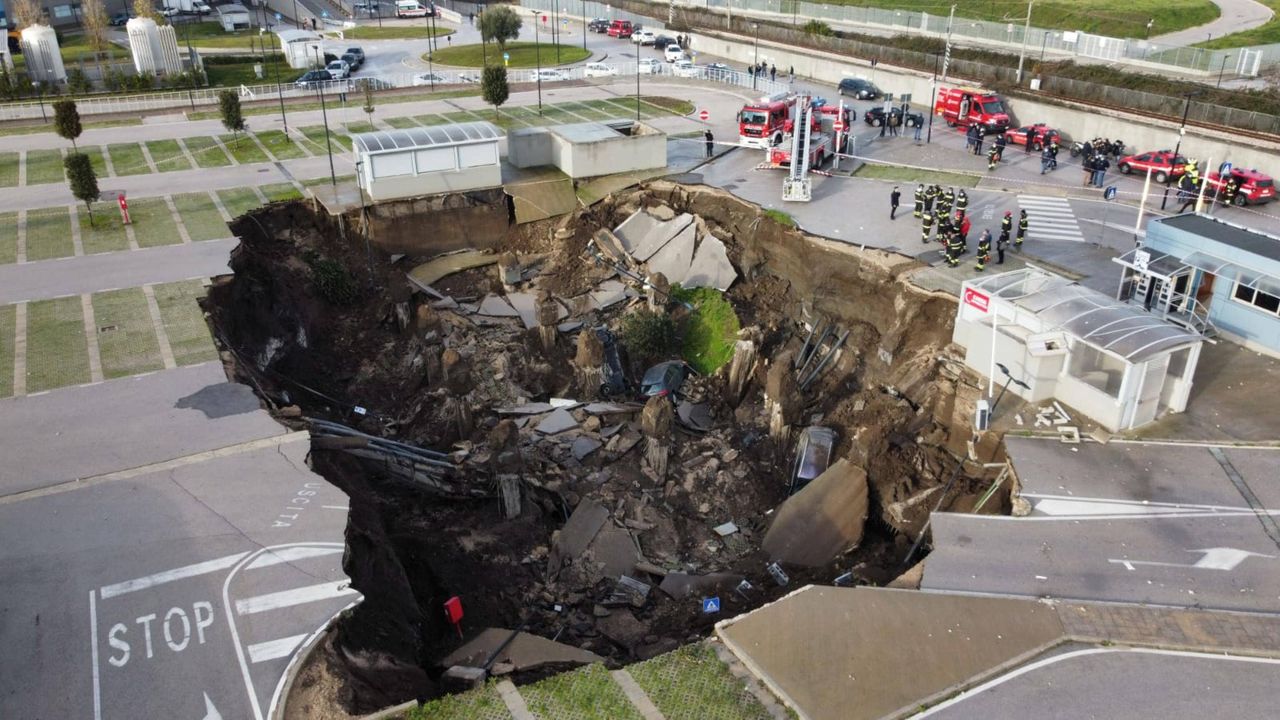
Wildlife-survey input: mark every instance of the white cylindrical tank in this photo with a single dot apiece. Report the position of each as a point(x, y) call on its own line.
point(44, 59)
point(154, 48)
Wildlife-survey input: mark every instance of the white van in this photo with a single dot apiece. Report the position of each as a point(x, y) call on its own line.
point(410, 9)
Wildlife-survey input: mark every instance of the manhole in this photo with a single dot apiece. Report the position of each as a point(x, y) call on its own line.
point(107, 328)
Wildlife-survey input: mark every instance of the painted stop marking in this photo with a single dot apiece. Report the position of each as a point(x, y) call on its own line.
point(704, 115)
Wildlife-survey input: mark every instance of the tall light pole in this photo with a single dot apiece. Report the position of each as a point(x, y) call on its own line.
point(755, 70)
point(1025, 29)
point(555, 28)
point(275, 66)
point(1223, 69)
point(637, 83)
point(297, 22)
point(933, 96)
point(537, 51)
point(946, 59)
point(584, 24)
point(1182, 130)
point(324, 113)
point(1043, 44)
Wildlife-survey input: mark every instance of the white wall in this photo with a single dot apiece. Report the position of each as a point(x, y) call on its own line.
point(606, 157)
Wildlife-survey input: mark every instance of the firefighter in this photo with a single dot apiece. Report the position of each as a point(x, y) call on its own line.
point(1192, 172)
point(954, 250)
point(1001, 141)
point(944, 228)
point(926, 226)
point(948, 201)
point(1006, 224)
point(1022, 230)
point(930, 194)
point(1229, 192)
point(1053, 154)
point(1001, 244)
point(984, 251)
point(919, 202)
point(962, 203)
point(993, 157)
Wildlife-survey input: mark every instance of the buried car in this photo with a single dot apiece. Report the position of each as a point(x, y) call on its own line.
point(664, 379)
point(813, 456)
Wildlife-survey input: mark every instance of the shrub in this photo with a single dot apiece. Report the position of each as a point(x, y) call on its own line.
point(817, 27)
point(77, 82)
point(648, 336)
point(333, 282)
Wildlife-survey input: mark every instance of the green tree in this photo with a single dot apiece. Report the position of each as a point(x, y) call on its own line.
point(66, 121)
point(367, 87)
point(500, 24)
point(82, 178)
point(493, 82)
point(93, 14)
point(229, 110)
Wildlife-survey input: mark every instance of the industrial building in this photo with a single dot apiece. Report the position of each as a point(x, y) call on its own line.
point(584, 150)
point(428, 161)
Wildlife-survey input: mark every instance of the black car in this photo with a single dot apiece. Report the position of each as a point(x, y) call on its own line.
point(875, 117)
point(599, 25)
point(353, 61)
point(860, 89)
point(664, 379)
point(662, 41)
point(314, 78)
point(357, 53)
point(615, 382)
point(119, 19)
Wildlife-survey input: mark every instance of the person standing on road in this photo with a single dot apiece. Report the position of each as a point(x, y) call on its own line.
point(1086, 164)
point(1100, 170)
point(930, 195)
point(711, 142)
point(1001, 244)
point(918, 127)
point(919, 201)
point(1053, 154)
point(1000, 143)
point(978, 137)
point(953, 250)
point(968, 139)
point(993, 157)
point(926, 226)
point(894, 197)
point(894, 119)
point(1031, 139)
point(1046, 158)
point(1022, 231)
point(1006, 226)
point(964, 224)
point(984, 251)
point(962, 204)
point(773, 72)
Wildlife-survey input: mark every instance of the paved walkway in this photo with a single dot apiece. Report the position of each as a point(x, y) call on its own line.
point(1237, 16)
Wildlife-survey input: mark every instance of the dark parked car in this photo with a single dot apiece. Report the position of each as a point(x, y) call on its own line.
point(859, 88)
point(664, 379)
point(615, 380)
point(662, 41)
point(875, 117)
point(353, 61)
point(599, 25)
point(356, 52)
point(119, 19)
point(313, 79)
point(813, 456)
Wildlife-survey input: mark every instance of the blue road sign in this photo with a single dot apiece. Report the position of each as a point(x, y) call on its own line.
point(324, 13)
point(506, 56)
point(1109, 193)
point(711, 605)
point(1224, 168)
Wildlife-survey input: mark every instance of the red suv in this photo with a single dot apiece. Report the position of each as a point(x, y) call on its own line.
point(1252, 187)
point(1163, 164)
point(620, 29)
point(1018, 136)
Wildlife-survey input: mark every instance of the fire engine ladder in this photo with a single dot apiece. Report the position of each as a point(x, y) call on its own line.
point(798, 187)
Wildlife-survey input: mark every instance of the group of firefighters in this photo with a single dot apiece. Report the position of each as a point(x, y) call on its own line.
point(950, 211)
point(1189, 186)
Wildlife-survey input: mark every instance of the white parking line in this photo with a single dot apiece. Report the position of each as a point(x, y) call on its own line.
point(93, 650)
point(182, 573)
point(296, 596)
point(274, 649)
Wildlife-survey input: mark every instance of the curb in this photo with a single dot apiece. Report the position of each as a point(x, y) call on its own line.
point(280, 699)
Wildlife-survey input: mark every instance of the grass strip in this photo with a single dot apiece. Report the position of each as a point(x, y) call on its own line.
point(206, 152)
point(49, 234)
point(127, 342)
point(201, 217)
point(105, 233)
point(167, 155)
point(45, 166)
point(153, 224)
point(57, 352)
point(184, 321)
point(127, 159)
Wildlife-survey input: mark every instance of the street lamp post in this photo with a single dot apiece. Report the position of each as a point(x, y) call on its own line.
point(431, 70)
point(324, 114)
point(275, 66)
point(1008, 379)
point(1182, 130)
point(1025, 29)
point(755, 70)
point(1043, 44)
point(933, 95)
point(297, 22)
point(40, 91)
point(1150, 23)
point(637, 83)
point(1223, 69)
point(537, 51)
point(191, 58)
point(555, 28)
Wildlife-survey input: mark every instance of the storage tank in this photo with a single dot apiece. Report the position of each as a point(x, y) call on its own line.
point(44, 59)
point(154, 47)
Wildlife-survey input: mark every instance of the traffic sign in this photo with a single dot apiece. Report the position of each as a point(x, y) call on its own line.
point(710, 605)
point(1224, 168)
point(839, 126)
point(324, 13)
point(1109, 193)
point(279, 17)
point(544, 19)
point(506, 56)
point(704, 115)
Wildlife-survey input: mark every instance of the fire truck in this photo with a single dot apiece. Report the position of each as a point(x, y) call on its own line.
point(764, 122)
point(821, 142)
point(962, 107)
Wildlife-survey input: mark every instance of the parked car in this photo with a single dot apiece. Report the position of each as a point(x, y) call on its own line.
point(356, 52)
point(664, 379)
point(598, 69)
point(615, 382)
point(1018, 136)
point(875, 117)
point(599, 25)
point(549, 75)
point(119, 19)
point(1164, 165)
point(684, 69)
point(339, 69)
point(643, 37)
point(813, 456)
point(353, 62)
point(199, 7)
point(673, 53)
point(620, 29)
point(662, 41)
point(1252, 187)
point(859, 88)
point(428, 79)
point(718, 71)
point(313, 79)
point(169, 11)
point(649, 66)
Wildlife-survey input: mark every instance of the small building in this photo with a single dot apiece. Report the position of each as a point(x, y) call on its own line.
point(302, 48)
point(1211, 275)
point(591, 149)
point(428, 161)
point(234, 17)
point(1119, 365)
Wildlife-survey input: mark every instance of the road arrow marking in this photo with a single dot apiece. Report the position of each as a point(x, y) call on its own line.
point(1219, 558)
point(210, 712)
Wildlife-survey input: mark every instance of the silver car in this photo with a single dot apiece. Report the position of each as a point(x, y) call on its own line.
point(813, 456)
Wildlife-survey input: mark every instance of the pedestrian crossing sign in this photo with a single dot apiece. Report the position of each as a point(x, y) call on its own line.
point(710, 605)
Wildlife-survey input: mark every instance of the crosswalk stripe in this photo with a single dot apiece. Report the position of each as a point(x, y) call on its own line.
point(1050, 213)
point(275, 649)
point(1055, 236)
point(296, 596)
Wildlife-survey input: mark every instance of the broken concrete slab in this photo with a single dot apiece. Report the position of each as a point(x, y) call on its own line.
point(583, 447)
point(683, 585)
point(615, 549)
point(622, 628)
point(675, 257)
point(609, 292)
point(728, 528)
point(821, 521)
point(608, 408)
point(577, 534)
point(661, 236)
point(430, 272)
point(634, 229)
point(494, 306)
point(710, 267)
point(526, 409)
point(557, 422)
point(569, 326)
point(525, 652)
point(694, 415)
point(526, 306)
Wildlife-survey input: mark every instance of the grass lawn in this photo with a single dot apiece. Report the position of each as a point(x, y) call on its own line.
point(429, 120)
point(587, 692)
point(201, 217)
point(281, 192)
point(239, 201)
point(282, 147)
point(523, 55)
point(8, 243)
point(106, 234)
point(692, 684)
point(97, 158)
point(782, 218)
point(9, 169)
point(237, 74)
point(360, 126)
point(211, 35)
point(8, 326)
point(130, 347)
point(1264, 34)
point(411, 32)
point(126, 159)
point(167, 155)
point(153, 224)
point(710, 331)
point(675, 106)
point(314, 182)
point(401, 123)
point(315, 133)
point(244, 149)
point(912, 175)
point(49, 234)
point(44, 127)
point(206, 152)
point(268, 109)
point(184, 321)
point(483, 702)
point(589, 113)
point(57, 352)
point(44, 166)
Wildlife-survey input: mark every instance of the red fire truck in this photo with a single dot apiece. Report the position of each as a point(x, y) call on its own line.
point(822, 142)
point(962, 107)
point(763, 123)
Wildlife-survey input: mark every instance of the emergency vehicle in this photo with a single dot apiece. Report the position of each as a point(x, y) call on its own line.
point(822, 141)
point(1252, 187)
point(763, 123)
point(962, 107)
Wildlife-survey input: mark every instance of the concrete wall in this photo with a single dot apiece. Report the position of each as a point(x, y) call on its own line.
point(433, 225)
point(529, 147)
point(1075, 121)
point(643, 150)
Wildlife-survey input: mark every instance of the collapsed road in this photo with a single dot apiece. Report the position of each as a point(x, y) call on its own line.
point(483, 412)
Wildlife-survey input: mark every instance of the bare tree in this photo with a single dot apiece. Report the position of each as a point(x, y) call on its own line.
point(94, 16)
point(26, 12)
point(144, 9)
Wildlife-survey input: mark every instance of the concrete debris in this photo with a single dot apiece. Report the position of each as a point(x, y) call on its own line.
point(1017, 419)
point(628, 591)
point(527, 409)
point(710, 267)
point(1069, 434)
point(524, 652)
point(526, 306)
point(557, 422)
point(572, 540)
point(643, 236)
point(494, 306)
point(569, 326)
point(674, 259)
point(1101, 436)
point(583, 447)
point(432, 271)
point(622, 628)
point(610, 431)
point(823, 520)
point(696, 416)
point(608, 408)
point(683, 585)
point(609, 292)
point(726, 529)
point(565, 403)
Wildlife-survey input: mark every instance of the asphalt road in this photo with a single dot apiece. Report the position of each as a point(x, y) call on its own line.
point(1123, 522)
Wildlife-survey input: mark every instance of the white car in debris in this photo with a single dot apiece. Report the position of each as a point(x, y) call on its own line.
point(684, 69)
point(597, 69)
point(649, 66)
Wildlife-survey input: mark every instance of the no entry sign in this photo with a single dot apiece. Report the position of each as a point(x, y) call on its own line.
point(977, 300)
point(704, 115)
point(839, 126)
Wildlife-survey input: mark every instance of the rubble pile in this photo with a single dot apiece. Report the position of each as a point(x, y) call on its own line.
point(598, 520)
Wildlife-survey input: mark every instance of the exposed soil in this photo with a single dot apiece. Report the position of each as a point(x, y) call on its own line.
point(361, 348)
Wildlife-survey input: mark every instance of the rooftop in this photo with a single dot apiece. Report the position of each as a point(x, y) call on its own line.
point(585, 132)
point(1258, 243)
point(435, 136)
